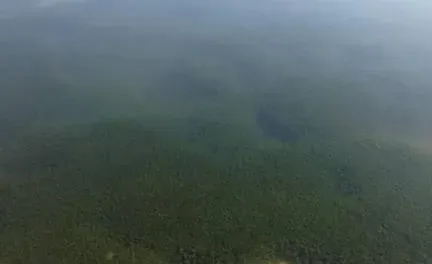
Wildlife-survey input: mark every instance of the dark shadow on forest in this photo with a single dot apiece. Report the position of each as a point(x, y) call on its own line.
point(273, 128)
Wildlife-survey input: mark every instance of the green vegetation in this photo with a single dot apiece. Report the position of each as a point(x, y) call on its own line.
point(120, 192)
point(209, 136)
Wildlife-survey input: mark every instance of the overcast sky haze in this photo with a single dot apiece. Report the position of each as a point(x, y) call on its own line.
point(48, 3)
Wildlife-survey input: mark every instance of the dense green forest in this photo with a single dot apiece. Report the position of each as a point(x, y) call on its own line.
point(127, 192)
point(213, 133)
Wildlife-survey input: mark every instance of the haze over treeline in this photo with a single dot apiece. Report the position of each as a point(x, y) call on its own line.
point(381, 49)
point(164, 131)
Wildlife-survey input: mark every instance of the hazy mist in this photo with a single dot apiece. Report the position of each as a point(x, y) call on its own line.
point(380, 49)
point(156, 127)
